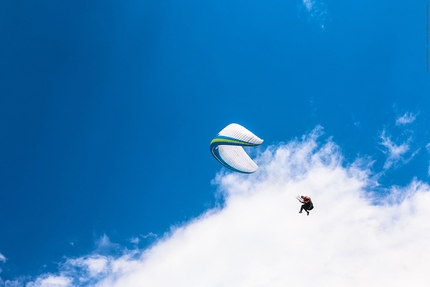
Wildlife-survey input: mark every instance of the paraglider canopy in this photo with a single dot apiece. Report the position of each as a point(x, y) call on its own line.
point(227, 148)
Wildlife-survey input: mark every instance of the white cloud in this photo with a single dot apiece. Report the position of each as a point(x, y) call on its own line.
point(2, 258)
point(134, 240)
point(353, 237)
point(94, 265)
point(396, 152)
point(407, 118)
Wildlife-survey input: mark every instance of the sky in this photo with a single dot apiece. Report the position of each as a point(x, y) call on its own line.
point(106, 115)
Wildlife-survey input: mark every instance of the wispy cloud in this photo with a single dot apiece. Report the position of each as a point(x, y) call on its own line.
point(134, 240)
point(316, 10)
point(396, 153)
point(407, 118)
point(149, 235)
point(2, 258)
point(258, 238)
point(308, 4)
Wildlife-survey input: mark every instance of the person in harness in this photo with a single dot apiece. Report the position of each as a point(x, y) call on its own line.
point(306, 203)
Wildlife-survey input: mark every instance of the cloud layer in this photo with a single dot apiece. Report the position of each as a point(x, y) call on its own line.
point(353, 237)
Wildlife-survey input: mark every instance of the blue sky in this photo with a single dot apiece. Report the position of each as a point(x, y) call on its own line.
point(107, 111)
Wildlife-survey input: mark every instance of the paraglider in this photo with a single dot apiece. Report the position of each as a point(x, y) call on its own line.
point(306, 203)
point(227, 148)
